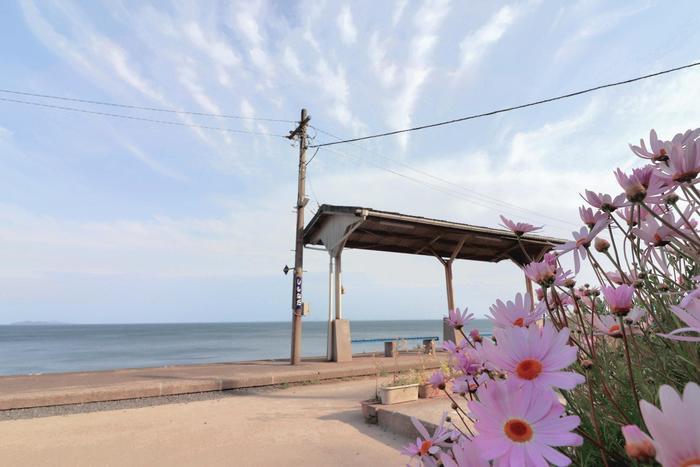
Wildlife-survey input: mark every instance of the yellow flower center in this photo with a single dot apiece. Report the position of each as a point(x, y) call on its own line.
point(529, 369)
point(425, 446)
point(520, 322)
point(614, 329)
point(518, 430)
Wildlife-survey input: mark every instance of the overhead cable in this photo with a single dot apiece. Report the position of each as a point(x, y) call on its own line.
point(150, 109)
point(507, 109)
point(142, 119)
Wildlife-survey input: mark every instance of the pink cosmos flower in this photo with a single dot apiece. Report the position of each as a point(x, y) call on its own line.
point(427, 448)
point(683, 164)
point(464, 454)
point(453, 348)
point(458, 319)
point(469, 362)
point(688, 299)
point(615, 277)
point(641, 185)
point(635, 315)
point(674, 428)
point(658, 149)
point(518, 228)
point(605, 203)
point(438, 379)
point(534, 357)
point(656, 234)
point(515, 313)
point(610, 326)
point(589, 217)
point(690, 315)
point(582, 240)
point(476, 337)
point(631, 215)
point(619, 298)
point(638, 445)
point(522, 427)
point(545, 273)
point(585, 296)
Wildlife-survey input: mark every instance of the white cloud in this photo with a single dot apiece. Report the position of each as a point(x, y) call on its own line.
point(153, 164)
point(247, 111)
point(348, 33)
point(427, 22)
point(475, 45)
point(385, 70)
point(289, 58)
point(219, 51)
point(399, 8)
point(594, 25)
point(335, 86)
point(119, 60)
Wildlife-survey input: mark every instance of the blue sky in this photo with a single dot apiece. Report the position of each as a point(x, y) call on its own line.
point(106, 220)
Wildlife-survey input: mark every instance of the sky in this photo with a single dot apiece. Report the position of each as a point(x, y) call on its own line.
point(106, 220)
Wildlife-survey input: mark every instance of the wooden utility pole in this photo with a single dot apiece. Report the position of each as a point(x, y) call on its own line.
point(297, 298)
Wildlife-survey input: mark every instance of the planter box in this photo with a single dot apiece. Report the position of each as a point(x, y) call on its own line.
point(396, 394)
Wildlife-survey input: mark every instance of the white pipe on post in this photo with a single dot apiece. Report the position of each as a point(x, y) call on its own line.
point(329, 348)
point(338, 287)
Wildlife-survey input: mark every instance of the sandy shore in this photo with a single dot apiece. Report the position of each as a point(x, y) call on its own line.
point(315, 425)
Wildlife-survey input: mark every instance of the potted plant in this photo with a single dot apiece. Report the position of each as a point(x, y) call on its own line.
point(401, 388)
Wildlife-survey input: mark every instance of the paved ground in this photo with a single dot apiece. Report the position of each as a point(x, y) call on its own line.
point(83, 387)
point(312, 425)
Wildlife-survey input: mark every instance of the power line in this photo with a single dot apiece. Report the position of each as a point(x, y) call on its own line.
point(508, 109)
point(142, 119)
point(432, 186)
point(151, 109)
point(474, 193)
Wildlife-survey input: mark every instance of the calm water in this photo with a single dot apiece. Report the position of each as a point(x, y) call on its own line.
point(57, 348)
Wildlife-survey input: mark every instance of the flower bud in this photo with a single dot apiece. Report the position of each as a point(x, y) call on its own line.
point(587, 364)
point(671, 199)
point(601, 245)
point(454, 406)
point(474, 334)
point(638, 445)
point(570, 283)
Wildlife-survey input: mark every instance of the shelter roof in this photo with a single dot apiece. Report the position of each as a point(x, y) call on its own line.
point(371, 229)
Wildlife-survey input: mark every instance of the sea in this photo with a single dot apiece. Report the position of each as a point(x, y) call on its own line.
point(51, 348)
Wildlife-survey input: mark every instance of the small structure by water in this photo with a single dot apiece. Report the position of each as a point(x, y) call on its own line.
point(339, 227)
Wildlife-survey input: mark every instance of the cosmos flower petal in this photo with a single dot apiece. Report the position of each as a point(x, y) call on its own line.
point(554, 456)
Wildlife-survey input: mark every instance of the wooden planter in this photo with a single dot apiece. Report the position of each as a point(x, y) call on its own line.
point(395, 394)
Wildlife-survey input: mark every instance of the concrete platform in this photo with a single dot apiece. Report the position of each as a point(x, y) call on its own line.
point(97, 386)
point(396, 418)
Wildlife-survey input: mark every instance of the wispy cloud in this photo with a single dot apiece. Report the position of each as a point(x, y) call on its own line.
point(593, 25)
point(476, 45)
point(426, 21)
point(348, 33)
point(382, 67)
point(154, 164)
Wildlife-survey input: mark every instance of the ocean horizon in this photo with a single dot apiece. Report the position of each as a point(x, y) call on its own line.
point(36, 347)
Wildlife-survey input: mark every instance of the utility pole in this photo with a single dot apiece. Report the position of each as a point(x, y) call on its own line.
point(297, 298)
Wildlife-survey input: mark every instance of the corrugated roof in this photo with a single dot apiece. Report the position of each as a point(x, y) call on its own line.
point(415, 235)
